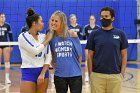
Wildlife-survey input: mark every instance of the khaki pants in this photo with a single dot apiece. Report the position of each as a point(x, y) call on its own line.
point(105, 83)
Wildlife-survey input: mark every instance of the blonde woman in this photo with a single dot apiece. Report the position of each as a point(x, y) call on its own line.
point(67, 55)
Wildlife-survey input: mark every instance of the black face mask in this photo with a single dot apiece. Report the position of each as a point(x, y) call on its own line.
point(105, 22)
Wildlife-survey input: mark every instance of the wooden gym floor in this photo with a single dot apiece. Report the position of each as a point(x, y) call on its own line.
point(131, 81)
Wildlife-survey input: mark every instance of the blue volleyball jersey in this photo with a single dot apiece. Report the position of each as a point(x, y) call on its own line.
point(66, 56)
point(5, 33)
point(87, 30)
point(24, 29)
point(77, 29)
point(107, 46)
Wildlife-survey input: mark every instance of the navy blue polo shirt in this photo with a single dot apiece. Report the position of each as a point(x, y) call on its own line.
point(107, 46)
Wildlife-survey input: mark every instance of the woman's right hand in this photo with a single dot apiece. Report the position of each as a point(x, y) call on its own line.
point(49, 35)
point(48, 38)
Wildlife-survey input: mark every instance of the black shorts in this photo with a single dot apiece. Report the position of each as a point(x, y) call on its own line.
point(2, 47)
point(62, 83)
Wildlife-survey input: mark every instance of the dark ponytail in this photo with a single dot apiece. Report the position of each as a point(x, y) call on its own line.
point(31, 17)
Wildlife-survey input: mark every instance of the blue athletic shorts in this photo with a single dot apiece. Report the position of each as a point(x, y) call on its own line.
point(32, 74)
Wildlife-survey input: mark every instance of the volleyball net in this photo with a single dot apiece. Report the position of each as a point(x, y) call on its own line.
point(130, 41)
point(133, 50)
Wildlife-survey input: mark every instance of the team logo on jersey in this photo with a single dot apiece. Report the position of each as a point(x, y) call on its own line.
point(75, 30)
point(4, 28)
point(116, 37)
point(89, 31)
point(39, 55)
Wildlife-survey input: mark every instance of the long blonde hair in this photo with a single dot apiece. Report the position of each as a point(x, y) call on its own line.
point(64, 26)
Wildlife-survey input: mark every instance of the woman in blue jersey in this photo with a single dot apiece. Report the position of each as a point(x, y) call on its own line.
point(66, 51)
point(5, 36)
point(35, 54)
point(86, 31)
point(75, 26)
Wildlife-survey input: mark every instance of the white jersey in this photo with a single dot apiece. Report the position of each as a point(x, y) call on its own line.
point(33, 53)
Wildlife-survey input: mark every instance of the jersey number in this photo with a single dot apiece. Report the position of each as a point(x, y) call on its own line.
point(39, 55)
point(2, 33)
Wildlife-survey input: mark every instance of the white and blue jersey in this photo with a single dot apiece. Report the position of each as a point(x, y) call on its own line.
point(5, 33)
point(107, 46)
point(66, 56)
point(33, 53)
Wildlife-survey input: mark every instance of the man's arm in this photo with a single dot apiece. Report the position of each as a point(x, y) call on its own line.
point(89, 61)
point(124, 61)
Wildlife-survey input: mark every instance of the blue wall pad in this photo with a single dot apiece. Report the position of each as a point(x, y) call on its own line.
point(126, 13)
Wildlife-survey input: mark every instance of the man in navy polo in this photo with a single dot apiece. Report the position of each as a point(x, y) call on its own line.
point(107, 55)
